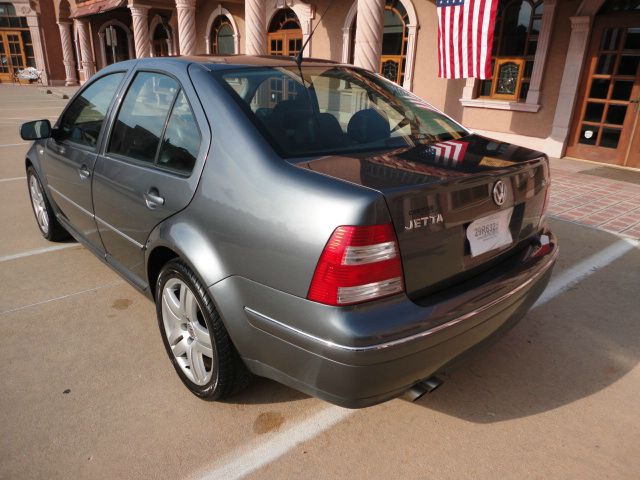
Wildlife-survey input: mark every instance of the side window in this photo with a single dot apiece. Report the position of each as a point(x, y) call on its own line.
point(142, 116)
point(83, 119)
point(181, 141)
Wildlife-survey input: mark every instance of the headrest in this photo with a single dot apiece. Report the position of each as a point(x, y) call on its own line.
point(368, 126)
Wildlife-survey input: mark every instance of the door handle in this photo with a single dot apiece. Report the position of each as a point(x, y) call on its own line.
point(84, 172)
point(153, 199)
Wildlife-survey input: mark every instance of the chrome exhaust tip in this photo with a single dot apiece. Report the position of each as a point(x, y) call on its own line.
point(422, 388)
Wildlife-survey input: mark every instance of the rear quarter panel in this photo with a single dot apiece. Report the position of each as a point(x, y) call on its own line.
point(254, 215)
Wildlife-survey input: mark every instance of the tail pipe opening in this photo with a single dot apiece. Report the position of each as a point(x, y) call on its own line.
point(422, 388)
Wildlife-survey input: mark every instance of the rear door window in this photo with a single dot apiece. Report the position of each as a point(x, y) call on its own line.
point(182, 139)
point(143, 115)
point(82, 121)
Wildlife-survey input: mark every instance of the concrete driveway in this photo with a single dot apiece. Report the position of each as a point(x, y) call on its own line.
point(87, 391)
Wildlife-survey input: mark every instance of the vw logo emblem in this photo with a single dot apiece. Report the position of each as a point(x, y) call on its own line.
point(499, 192)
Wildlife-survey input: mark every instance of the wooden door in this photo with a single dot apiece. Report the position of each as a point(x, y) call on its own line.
point(285, 42)
point(605, 125)
point(12, 55)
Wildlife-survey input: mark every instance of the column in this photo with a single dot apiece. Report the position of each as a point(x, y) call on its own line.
point(412, 33)
point(140, 20)
point(187, 26)
point(36, 38)
point(255, 25)
point(580, 28)
point(84, 34)
point(67, 53)
point(103, 48)
point(369, 30)
point(540, 60)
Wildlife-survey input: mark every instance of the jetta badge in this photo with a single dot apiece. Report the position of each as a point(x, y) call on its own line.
point(499, 192)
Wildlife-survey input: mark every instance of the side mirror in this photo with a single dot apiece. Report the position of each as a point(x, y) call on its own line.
point(36, 130)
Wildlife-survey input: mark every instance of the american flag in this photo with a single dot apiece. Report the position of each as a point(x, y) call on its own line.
point(465, 37)
point(450, 153)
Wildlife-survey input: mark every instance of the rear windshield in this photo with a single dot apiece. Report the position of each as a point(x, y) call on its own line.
point(335, 110)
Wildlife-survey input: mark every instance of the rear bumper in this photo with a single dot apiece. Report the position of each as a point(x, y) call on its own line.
point(363, 355)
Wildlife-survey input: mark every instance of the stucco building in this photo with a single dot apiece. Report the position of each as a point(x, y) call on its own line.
point(566, 72)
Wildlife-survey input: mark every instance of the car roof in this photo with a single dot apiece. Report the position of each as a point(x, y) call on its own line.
point(214, 62)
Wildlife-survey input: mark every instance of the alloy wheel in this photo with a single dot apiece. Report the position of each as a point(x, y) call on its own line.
point(186, 331)
point(39, 205)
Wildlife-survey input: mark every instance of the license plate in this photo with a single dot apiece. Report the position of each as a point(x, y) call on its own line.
point(490, 232)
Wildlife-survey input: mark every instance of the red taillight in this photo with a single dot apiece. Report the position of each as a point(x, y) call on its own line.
point(543, 248)
point(358, 264)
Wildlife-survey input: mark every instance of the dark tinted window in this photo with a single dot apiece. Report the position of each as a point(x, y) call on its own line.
point(335, 110)
point(182, 138)
point(138, 128)
point(83, 119)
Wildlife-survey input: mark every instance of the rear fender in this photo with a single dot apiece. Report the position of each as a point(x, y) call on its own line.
point(191, 245)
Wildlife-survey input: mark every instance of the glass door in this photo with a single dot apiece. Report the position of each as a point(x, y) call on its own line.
point(286, 42)
point(605, 127)
point(12, 55)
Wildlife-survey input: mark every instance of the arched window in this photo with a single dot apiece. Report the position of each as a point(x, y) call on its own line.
point(9, 18)
point(222, 37)
point(514, 48)
point(161, 40)
point(285, 33)
point(16, 47)
point(114, 40)
point(394, 42)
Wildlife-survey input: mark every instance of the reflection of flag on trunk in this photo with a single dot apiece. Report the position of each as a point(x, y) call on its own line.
point(465, 37)
point(450, 153)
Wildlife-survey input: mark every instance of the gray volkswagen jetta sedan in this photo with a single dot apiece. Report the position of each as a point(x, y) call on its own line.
point(311, 223)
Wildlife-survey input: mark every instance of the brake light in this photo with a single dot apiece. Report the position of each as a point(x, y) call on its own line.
point(358, 264)
point(543, 247)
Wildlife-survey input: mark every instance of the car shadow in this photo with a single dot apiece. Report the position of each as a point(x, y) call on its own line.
point(265, 391)
point(577, 344)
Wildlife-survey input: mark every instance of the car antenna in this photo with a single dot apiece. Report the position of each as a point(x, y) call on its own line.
point(298, 57)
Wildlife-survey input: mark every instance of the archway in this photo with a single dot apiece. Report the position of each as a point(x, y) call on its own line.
point(394, 39)
point(116, 42)
point(222, 37)
point(285, 33)
point(161, 37)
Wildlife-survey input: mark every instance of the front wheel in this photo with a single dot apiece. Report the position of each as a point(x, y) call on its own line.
point(195, 337)
point(46, 219)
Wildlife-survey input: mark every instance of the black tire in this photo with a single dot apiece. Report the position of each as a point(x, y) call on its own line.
point(53, 232)
point(228, 373)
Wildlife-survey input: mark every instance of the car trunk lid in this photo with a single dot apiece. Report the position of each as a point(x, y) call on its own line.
point(451, 217)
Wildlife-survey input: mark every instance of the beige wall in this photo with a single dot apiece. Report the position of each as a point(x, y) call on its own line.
point(327, 41)
point(426, 83)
